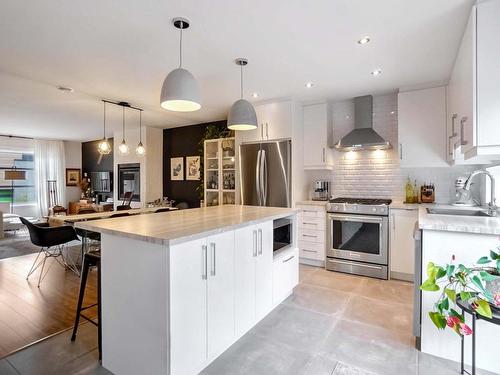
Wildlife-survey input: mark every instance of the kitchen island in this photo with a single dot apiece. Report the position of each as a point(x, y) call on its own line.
point(468, 238)
point(179, 288)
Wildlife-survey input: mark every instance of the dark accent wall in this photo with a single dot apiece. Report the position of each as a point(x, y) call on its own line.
point(93, 162)
point(181, 142)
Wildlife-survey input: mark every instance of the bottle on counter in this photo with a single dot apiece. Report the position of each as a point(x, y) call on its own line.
point(415, 192)
point(409, 191)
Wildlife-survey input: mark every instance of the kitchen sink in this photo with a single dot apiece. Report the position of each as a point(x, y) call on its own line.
point(456, 212)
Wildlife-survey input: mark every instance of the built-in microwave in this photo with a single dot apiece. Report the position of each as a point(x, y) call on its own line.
point(282, 233)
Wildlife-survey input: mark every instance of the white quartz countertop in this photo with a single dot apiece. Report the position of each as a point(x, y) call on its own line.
point(184, 225)
point(455, 223)
point(400, 205)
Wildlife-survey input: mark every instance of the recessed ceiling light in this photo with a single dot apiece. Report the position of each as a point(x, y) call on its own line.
point(364, 40)
point(376, 72)
point(65, 89)
point(309, 84)
point(255, 95)
point(392, 112)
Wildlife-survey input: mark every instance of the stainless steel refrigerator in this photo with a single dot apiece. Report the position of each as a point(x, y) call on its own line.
point(265, 173)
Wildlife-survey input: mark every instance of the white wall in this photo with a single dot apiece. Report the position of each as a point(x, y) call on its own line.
point(377, 174)
point(73, 159)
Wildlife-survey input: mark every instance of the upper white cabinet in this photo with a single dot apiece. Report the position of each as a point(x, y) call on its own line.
point(274, 122)
point(317, 127)
point(422, 128)
point(473, 97)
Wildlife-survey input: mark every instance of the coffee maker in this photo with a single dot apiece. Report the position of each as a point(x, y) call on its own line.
point(321, 190)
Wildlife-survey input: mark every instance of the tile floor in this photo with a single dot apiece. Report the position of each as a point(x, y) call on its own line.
point(333, 324)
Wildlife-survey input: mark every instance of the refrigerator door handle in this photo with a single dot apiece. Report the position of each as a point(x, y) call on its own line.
point(257, 178)
point(263, 177)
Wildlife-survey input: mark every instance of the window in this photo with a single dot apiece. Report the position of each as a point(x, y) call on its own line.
point(18, 153)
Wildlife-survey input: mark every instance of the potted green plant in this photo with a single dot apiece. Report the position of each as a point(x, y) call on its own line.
point(478, 285)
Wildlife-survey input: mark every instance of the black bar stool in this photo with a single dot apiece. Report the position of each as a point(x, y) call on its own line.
point(90, 259)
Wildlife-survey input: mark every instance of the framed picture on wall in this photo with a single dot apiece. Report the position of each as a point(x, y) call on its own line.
point(177, 169)
point(192, 167)
point(72, 176)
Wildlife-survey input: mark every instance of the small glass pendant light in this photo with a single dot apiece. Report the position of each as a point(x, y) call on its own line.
point(242, 114)
point(140, 150)
point(123, 148)
point(180, 91)
point(104, 147)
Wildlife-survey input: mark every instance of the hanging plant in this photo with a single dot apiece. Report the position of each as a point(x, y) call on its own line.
point(479, 286)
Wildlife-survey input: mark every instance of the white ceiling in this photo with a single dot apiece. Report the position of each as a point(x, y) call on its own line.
point(122, 50)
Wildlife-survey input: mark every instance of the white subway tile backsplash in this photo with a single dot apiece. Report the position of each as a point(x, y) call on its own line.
point(377, 174)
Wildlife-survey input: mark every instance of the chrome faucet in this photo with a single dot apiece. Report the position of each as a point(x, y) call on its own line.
point(492, 208)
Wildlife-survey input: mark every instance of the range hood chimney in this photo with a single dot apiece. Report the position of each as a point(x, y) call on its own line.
point(363, 137)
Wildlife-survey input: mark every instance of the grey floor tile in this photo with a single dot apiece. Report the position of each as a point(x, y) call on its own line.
point(371, 348)
point(295, 327)
point(318, 299)
point(254, 355)
point(387, 290)
point(320, 365)
point(86, 364)
point(51, 355)
point(338, 281)
point(6, 368)
point(430, 365)
point(305, 271)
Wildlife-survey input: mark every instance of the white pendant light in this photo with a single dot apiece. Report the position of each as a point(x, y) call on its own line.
point(104, 147)
point(242, 114)
point(180, 91)
point(123, 148)
point(140, 150)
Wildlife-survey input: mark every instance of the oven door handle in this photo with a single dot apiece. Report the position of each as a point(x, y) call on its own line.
point(357, 264)
point(358, 219)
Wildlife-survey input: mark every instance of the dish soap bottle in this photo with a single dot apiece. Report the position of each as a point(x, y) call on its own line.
point(409, 191)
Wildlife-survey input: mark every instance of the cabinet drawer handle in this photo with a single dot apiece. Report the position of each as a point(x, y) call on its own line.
point(323, 154)
point(267, 131)
point(306, 223)
point(453, 134)
point(309, 235)
point(254, 243)
point(204, 262)
point(289, 259)
point(463, 120)
point(259, 236)
point(309, 251)
point(400, 151)
point(212, 249)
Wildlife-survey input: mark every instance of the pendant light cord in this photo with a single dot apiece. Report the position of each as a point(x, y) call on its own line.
point(241, 81)
point(180, 46)
point(140, 126)
point(123, 124)
point(104, 135)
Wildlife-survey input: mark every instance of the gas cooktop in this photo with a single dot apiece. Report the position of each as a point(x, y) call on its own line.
point(374, 202)
point(359, 206)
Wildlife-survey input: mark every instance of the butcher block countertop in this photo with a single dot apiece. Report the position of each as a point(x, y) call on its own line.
point(184, 225)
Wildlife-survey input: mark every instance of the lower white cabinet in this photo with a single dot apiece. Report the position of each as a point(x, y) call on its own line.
point(202, 301)
point(285, 275)
point(402, 244)
point(254, 275)
point(312, 234)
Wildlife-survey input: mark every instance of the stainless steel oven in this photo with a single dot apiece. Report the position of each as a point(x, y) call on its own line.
point(358, 242)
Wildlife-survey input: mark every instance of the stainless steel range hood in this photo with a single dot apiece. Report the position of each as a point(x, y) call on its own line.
point(363, 137)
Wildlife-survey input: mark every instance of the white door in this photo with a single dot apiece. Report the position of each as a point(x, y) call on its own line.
point(264, 270)
point(402, 251)
point(220, 292)
point(188, 307)
point(245, 252)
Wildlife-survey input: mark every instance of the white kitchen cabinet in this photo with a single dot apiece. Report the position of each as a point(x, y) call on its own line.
point(274, 121)
point(253, 275)
point(312, 234)
point(402, 244)
point(473, 89)
point(202, 326)
point(285, 275)
point(422, 128)
point(317, 137)
point(188, 324)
